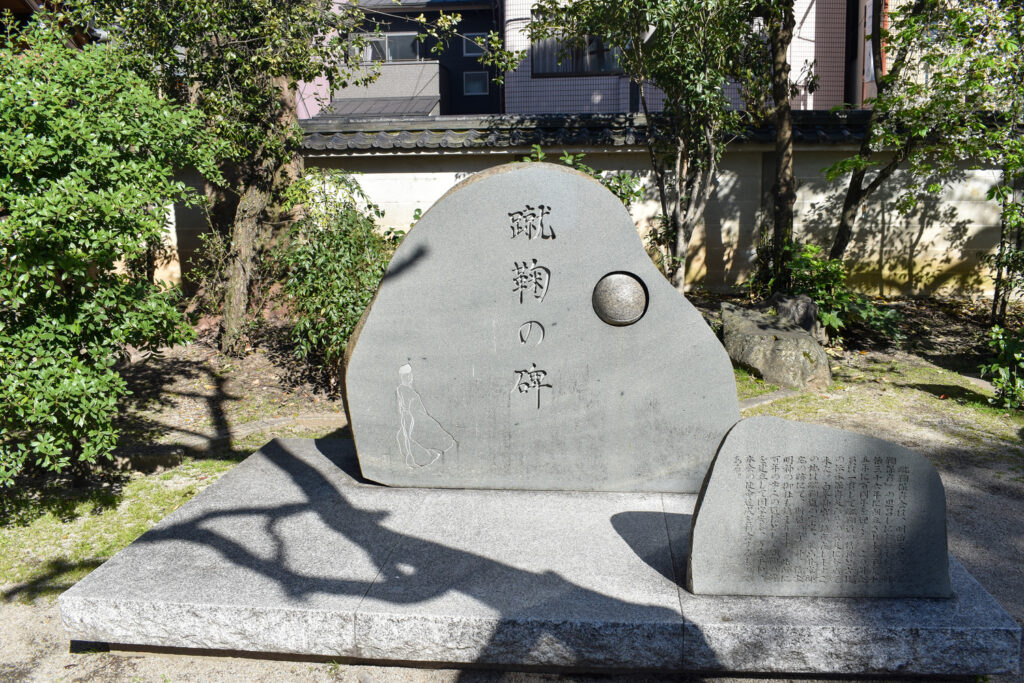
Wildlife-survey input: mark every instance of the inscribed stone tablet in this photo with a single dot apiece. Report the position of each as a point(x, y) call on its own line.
point(800, 509)
point(483, 362)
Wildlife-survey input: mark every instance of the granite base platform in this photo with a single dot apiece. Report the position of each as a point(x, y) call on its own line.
point(292, 552)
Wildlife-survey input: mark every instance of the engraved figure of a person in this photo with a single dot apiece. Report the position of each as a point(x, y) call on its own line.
point(421, 439)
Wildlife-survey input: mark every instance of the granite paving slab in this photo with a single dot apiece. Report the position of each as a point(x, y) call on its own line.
point(292, 552)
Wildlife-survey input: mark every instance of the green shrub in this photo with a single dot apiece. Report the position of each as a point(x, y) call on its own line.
point(824, 281)
point(334, 263)
point(87, 155)
point(623, 184)
point(1007, 369)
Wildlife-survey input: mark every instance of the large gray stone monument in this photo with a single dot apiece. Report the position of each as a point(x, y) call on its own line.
point(522, 339)
point(793, 509)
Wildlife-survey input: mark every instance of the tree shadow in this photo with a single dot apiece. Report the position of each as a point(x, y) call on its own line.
point(414, 570)
point(61, 496)
point(58, 576)
point(923, 250)
point(951, 392)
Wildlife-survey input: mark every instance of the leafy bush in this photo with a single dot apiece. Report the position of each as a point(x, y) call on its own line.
point(824, 281)
point(1007, 370)
point(210, 268)
point(623, 184)
point(335, 262)
point(87, 154)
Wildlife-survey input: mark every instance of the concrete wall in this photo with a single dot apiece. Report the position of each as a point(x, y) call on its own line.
point(399, 79)
point(935, 248)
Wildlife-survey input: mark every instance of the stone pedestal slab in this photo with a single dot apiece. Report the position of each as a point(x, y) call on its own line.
point(292, 553)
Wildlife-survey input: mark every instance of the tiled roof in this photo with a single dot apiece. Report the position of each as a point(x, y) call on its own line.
point(351, 135)
point(392, 6)
point(385, 107)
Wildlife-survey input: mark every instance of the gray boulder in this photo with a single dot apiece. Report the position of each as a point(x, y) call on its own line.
point(799, 310)
point(779, 352)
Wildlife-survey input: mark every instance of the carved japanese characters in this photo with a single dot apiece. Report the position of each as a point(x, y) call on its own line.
point(490, 358)
point(799, 509)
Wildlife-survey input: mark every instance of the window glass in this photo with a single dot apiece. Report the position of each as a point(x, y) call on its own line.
point(375, 50)
point(469, 46)
point(474, 83)
point(552, 57)
point(403, 47)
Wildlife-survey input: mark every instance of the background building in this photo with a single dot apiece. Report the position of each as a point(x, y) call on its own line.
point(430, 121)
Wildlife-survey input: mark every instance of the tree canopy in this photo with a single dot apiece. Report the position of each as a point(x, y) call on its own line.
point(691, 50)
point(87, 160)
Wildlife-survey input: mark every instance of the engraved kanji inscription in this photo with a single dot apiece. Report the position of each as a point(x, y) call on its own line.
point(529, 329)
point(530, 279)
point(531, 380)
point(530, 222)
point(793, 510)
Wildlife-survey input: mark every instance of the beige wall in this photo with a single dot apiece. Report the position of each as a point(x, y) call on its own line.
point(935, 248)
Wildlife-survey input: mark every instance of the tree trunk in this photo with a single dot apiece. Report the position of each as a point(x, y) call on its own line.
point(785, 181)
point(856, 193)
point(848, 216)
point(258, 184)
point(251, 206)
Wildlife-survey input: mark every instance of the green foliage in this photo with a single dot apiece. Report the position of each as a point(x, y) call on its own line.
point(87, 154)
point(239, 62)
point(625, 185)
point(950, 65)
point(236, 60)
point(335, 262)
point(689, 49)
point(208, 271)
point(1007, 369)
point(824, 281)
point(444, 28)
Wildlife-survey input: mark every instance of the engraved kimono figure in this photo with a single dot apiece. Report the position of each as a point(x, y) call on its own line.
point(421, 439)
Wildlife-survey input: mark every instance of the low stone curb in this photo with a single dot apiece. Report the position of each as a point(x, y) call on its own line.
point(761, 400)
point(203, 442)
point(222, 437)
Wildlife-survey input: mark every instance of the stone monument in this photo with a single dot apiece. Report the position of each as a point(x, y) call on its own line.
point(522, 339)
point(796, 509)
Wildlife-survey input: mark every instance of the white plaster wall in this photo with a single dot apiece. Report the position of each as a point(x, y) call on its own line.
point(935, 248)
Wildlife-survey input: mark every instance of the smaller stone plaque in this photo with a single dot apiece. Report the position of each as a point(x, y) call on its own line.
point(791, 509)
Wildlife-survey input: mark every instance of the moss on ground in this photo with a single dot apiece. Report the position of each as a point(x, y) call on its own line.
point(916, 403)
point(749, 386)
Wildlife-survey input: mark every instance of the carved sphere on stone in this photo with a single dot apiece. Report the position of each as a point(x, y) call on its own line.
point(620, 299)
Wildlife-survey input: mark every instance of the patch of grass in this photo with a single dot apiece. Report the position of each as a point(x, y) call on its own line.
point(59, 535)
point(749, 386)
point(915, 402)
point(48, 555)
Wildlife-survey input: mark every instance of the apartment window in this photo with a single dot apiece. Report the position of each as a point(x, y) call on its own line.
point(553, 57)
point(469, 46)
point(475, 82)
point(392, 47)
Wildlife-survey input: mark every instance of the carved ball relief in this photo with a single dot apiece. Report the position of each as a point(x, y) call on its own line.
point(620, 299)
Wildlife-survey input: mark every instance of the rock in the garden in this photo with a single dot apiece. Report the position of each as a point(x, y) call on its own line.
point(780, 353)
point(522, 338)
point(799, 310)
point(793, 509)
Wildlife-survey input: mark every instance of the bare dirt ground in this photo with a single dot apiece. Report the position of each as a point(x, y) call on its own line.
point(191, 400)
